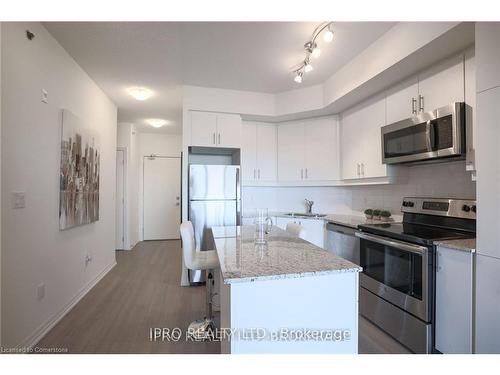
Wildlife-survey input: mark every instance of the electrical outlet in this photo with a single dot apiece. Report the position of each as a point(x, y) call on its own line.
point(40, 291)
point(45, 96)
point(18, 199)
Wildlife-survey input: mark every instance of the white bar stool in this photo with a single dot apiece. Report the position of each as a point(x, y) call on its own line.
point(194, 259)
point(296, 229)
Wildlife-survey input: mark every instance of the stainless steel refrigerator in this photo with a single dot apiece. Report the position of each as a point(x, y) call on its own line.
point(214, 200)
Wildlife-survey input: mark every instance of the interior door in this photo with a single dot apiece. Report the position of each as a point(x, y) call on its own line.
point(162, 182)
point(120, 200)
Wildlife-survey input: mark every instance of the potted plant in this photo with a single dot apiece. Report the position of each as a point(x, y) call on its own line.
point(385, 215)
point(369, 213)
point(376, 214)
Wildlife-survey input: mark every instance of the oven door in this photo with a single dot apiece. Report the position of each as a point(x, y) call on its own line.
point(398, 272)
point(433, 134)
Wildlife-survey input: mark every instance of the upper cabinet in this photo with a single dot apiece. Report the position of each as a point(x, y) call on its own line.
point(360, 136)
point(488, 55)
point(436, 87)
point(215, 129)
point(308, 150)
point(258, 153)
point(442, 84)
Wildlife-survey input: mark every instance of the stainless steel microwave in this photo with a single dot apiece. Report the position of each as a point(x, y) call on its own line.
point(429, 135)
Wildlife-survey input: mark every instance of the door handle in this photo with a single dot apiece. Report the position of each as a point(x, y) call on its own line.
point(413, 106)
point(421, 103)
point(177, 204)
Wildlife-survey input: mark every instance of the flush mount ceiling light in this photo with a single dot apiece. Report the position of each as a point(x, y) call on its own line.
point(140, 93)
point(311, 49)
point(156, 122)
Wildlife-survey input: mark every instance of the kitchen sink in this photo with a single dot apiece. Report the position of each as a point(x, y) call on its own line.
point(302, 214)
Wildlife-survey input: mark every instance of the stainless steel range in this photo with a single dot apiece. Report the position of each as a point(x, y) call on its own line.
point(398, 280)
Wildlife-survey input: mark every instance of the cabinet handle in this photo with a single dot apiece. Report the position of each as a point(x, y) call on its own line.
point(363, 169)
point(413, 106)
point(213, 134)
point(421, 103)
point(307, 174)
point(254, 174)
point(258, 173)
point(358, 169)
point(219, 138)
point(301, 174)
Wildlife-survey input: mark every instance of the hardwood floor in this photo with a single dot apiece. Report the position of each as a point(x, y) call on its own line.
point(143, 291)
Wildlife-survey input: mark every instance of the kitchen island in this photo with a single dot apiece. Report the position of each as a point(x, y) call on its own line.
point(288, 296)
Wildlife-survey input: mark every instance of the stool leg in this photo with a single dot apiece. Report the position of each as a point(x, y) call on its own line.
point(210, 284)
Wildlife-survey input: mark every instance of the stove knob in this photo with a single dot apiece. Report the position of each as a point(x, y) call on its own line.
point(465, 208)
point(473, 208)
point(405, 203)
point(411, 204)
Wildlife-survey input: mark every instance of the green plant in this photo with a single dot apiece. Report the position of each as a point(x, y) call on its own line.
point(384, 213)
point(369, 212)
point(376, 212)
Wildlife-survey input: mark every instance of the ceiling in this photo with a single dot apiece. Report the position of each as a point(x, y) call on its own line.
point(163, 56)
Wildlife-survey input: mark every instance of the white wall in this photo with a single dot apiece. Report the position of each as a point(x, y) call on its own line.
point(34, 250)
point(127, 137)
point(433, 180)
point(159, 145)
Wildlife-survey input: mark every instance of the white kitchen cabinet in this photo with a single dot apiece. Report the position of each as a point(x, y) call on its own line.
point(401, 100)
point(314, 228)
point(321, 149)
point(291, 148)
point(488, 55)
point(228, 130)
point(203, 128)
point(308, 150)
point(259, 153)
point(210, 129)
point(442, 84)
point(454, 300)
point(361, 141)
point(487, 315)
point(470, 100)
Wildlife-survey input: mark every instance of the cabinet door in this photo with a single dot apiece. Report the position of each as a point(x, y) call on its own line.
point(228, 130)
point(351, 132)
point(203, 128)
point(266, 152)
point(402, 100)
point(248, 151)
point(315, 231)
point(291, 151)
point(453, 301)
point(372, 118)
point(488, 55)
point(470, 100)
point(321, 149)
point(442, 84)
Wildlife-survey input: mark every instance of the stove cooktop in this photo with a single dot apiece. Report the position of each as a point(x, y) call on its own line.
point(417, 233)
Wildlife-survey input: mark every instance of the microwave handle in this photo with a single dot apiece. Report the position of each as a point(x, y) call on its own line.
point(421, 250)
point(430, 135)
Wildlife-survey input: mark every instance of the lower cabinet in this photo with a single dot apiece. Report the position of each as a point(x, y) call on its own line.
point(454, 301)
point(315, 229)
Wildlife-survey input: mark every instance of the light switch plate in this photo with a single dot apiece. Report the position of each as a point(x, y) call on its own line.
point(18, 199)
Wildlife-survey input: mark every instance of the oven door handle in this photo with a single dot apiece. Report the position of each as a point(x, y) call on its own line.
point(422, 250)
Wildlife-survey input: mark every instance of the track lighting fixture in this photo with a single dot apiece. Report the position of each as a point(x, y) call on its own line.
point(311, 48)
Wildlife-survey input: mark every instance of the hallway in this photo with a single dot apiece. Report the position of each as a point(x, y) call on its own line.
point(141, 292)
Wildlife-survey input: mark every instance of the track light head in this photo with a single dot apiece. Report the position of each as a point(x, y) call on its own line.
point(298, 77)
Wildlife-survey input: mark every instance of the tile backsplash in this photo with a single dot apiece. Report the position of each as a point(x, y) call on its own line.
point(448, 180)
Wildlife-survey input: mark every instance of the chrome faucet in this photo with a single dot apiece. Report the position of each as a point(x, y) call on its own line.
point(309, 206)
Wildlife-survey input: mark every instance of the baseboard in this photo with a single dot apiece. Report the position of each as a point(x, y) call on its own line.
point(42, 330)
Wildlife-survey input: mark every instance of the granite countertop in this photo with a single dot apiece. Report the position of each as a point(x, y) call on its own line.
point(284, 256)
point(467, 244)
point(348, 220)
